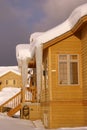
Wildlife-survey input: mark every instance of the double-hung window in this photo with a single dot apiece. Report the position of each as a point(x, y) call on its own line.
point(68, 69)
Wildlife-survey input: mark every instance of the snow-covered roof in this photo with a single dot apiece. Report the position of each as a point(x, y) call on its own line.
point(66, 26)
point(38, 38)
point(6, 69)
point(22, 51)
point(34, 36)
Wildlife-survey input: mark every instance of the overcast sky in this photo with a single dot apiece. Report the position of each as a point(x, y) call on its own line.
point(20, 18)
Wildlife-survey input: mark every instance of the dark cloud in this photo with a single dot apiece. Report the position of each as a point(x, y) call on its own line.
point(57, 11)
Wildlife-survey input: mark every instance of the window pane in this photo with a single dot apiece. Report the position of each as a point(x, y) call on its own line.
point(63, 57)
point(73, 57)
point(74, 73)
point(63, 72)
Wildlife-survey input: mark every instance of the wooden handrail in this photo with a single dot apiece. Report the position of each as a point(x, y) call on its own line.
point(12, 102)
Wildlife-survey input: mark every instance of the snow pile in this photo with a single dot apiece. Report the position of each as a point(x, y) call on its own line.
point(38, 124)
point(7, 93)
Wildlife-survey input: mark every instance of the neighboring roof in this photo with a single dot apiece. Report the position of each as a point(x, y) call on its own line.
point(5, 69)
point(36, 39)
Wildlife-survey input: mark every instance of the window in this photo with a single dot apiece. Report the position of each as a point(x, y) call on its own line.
point(68, 69)
point(6, 82)
point(14, 82)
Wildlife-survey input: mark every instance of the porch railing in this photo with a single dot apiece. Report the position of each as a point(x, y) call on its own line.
point(30, 94)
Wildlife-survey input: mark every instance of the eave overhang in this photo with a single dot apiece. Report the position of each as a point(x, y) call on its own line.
point(77, 28)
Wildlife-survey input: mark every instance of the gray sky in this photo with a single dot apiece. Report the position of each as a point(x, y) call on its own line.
point(20, 18)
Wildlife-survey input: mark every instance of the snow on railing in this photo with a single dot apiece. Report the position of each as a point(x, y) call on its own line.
point(12, 102)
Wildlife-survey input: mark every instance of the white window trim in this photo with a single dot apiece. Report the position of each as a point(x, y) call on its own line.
point(68, 70)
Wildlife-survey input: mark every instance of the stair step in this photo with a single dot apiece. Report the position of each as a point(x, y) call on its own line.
point(14, 110)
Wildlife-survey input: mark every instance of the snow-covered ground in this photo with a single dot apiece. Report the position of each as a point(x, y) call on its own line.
point(8, 123)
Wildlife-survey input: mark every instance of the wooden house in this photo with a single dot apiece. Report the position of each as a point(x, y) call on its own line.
point(63, 89)
point(60, 55)
point(64, 86)
point(10, 77)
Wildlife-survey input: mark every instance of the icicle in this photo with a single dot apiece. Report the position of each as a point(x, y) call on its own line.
point(39, 69)
point(24, 78)
point(24, 72)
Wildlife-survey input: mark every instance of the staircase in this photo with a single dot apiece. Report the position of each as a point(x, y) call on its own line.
point(13, 105)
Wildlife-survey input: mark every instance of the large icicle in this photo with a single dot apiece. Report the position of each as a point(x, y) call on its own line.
point(24, 77)
point(39, 69)
point(24, 72)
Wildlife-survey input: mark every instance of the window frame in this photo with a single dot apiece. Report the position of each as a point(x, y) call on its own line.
point(68, 61)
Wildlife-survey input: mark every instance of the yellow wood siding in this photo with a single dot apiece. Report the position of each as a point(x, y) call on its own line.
point(66, 114)
point(35, 111)
point(84, 68)
point(72, 45)
point(84, 60)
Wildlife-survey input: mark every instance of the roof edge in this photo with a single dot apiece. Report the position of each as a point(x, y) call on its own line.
point(66, 34)
point(18, 73)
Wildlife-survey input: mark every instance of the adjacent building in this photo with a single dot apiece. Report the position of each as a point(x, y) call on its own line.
point(10, 77)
